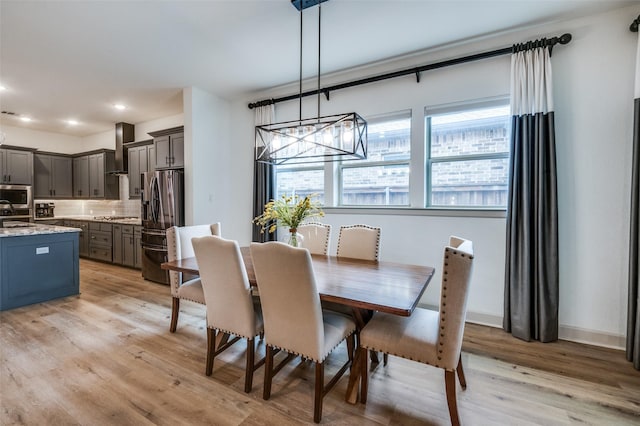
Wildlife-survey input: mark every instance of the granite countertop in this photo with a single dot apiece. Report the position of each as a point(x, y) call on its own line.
point(14, 229)
point(122, 220)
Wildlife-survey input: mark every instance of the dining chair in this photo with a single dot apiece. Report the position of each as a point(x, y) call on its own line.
point(293, 319)
point(315, 237)
point(429, 337)
point(359, 242)
point(184, 286)
point(230, 306)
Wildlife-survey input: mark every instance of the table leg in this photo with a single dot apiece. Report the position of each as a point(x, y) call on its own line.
point(354, 378)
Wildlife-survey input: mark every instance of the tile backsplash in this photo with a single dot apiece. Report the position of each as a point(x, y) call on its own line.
point(121, 207)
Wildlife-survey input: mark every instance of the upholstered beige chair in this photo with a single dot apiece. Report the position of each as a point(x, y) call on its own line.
point(184, 286)
point(230, 306)
point(293, 319)
point(429, 337)
point(315, 237)
point(359, 242)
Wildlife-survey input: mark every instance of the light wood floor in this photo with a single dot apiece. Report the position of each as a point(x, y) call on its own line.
point(106, 357)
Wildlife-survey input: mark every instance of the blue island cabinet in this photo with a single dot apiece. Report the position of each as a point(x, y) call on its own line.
point(37, 268)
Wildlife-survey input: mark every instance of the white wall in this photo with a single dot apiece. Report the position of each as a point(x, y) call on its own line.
point(207, 149)
point(44, 141)
point(593, 83)
point(142, 129)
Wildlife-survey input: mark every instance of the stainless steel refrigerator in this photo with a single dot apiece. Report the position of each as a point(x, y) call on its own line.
point(162, 208)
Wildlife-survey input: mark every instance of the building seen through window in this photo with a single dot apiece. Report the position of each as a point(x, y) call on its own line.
point(469, 157)
point(466, 162)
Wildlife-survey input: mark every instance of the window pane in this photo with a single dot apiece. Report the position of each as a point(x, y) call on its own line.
point(471, 132)
point(300, 182)
point(377, 185)
point(470, 183)
point(388, 141)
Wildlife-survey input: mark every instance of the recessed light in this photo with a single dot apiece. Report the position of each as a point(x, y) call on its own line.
point(119, 106)
point(72, 122)
point(25, 118)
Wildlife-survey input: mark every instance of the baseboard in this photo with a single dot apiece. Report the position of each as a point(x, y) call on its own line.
point(565, 332)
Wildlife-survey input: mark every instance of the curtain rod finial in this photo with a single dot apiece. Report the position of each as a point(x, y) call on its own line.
point(565, 38)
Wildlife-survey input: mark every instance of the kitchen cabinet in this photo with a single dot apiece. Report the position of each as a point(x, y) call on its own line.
point(38, 267)
point(90, 180)
point(53, 176)
point(83, 247)
point(16, 166)
point(101, 241)
point(127, 245)
point(169, 148)
point(141, 159)
point(81, 177)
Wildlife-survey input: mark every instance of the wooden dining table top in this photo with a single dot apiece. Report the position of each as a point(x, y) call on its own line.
point(389, 287)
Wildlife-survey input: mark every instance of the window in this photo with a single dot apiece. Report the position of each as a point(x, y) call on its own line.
point(300, 180)
point(468, 156)
point(383, 178)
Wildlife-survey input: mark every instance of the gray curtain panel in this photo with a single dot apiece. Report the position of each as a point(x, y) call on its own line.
point(531, 270)
point(633, 310)
point(263, 192)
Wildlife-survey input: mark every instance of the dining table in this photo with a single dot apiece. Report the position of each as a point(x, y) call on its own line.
point(365, 286)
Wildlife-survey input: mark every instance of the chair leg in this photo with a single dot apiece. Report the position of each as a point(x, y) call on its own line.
point(385, 359)
point(364, 375)
point(175, 309)
point(211, 349)
point(460, 371)
point(450, 385)
point(317, 403)
point(268, 373)
point(248, 378)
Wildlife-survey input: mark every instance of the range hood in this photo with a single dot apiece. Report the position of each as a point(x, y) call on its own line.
point(125, 132)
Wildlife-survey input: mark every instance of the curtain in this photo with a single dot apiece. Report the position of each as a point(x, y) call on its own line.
point(531, 270)
point(263, 178)
point(633, 309)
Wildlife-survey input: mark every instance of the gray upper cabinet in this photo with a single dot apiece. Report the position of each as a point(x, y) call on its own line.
point(90, 180)
point(53, 177)
point(140, 161)
point(16, 167)
point(81, 177)
point(169, 148)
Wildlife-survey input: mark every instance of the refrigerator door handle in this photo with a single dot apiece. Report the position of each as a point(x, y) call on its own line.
point(155, 199)
point(154, 248)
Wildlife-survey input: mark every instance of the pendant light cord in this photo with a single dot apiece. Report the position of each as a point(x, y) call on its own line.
point(319, 38)
point(300, 84)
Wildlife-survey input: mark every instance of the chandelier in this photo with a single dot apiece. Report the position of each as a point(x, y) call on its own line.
point(312, 140)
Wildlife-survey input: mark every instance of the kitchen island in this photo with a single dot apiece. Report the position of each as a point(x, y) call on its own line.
point(37, 263)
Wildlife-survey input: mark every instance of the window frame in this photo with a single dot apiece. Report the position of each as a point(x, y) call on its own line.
point(430, 161)
point(342, 165)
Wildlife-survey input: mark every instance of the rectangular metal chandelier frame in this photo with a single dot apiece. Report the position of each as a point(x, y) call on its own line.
point(312, 140)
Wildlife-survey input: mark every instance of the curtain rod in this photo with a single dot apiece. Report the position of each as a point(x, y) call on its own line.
point(634, 25)
point(563, 39)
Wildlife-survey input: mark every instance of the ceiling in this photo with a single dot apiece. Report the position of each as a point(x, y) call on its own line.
point(62, 60)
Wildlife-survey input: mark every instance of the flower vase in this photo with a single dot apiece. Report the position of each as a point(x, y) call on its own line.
point(293, 238)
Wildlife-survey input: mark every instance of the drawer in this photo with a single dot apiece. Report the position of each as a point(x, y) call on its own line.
point(98, 226)
point(127, 229)
point(137, 230)
point(100, 253)
point(101, 238)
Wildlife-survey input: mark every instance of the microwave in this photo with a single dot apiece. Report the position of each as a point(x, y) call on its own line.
point(16, 200)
